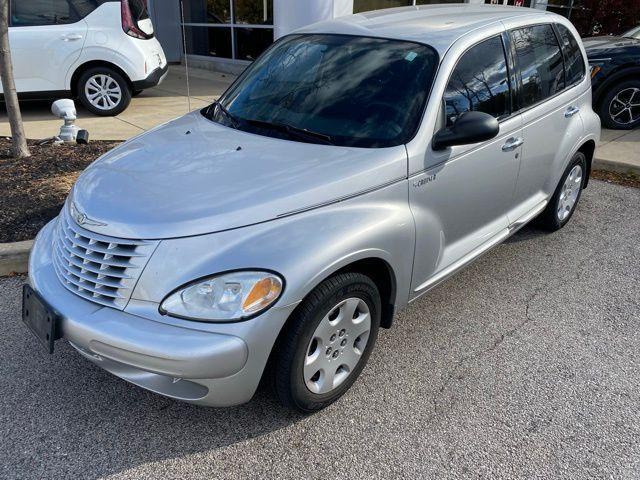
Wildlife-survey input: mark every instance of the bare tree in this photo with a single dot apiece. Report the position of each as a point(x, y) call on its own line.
point(19, 148)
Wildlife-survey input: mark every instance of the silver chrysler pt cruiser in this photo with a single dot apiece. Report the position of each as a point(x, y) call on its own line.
point(351, 168)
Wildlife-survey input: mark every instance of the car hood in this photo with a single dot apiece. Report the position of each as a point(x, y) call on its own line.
point(192, 176)
point(598, 47)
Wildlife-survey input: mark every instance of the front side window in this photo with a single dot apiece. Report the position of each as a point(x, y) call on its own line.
point(573, 59)
point(42, 12)
point(540, 62)
point(479, 82)
point(339, 89)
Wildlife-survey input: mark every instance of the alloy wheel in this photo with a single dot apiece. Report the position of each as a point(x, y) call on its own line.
point(624, 108)
point(103, 92)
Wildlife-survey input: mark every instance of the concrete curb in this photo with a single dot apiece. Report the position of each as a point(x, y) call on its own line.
point(14, 257)
point(615, 166)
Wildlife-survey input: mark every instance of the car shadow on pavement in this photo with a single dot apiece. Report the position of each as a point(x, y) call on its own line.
point(72, 416)
point(525, 234)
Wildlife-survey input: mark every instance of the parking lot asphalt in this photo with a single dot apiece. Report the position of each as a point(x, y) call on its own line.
point(524, 365)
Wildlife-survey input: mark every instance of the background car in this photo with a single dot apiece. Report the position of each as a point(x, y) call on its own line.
point(633, 33)
point(615, 78)
point(100, 51)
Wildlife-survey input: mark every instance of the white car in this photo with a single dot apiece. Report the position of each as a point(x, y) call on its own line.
point(100, 51)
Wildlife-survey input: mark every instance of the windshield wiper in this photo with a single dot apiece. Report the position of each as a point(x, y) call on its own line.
point(301, 133)
point(234, 120)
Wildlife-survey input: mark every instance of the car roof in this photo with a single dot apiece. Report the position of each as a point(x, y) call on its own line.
point(436, 25)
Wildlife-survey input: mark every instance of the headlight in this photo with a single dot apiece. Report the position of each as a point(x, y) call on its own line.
point(225, 297)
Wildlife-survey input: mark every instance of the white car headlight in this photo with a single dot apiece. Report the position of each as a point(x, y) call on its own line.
point(224, 297)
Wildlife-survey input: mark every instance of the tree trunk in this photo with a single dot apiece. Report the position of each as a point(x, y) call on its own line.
point(19, 146)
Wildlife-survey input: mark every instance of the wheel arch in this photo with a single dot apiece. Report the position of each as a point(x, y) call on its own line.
point(621, 74)
point(382, 274)
point(588, 148)
point(96, 63)
point(377, 269)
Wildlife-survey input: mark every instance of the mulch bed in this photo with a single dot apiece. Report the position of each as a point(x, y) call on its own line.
point(626, 179)
point(32, 190)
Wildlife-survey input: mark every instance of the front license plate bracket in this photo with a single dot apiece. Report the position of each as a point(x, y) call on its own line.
point(43, 322)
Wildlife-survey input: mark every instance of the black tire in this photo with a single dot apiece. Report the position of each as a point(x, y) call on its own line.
point(125, 89)
point(136, 93)
point(291, 349)
point(610, 105)
point(549, 219)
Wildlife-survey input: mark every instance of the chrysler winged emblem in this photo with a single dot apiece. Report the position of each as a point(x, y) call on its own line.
point(81, 218)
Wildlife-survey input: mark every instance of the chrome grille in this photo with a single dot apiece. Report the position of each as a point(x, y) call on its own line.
point(100, 269)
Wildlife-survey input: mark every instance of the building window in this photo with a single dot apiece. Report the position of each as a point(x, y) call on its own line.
point(233, 29)
point(367, 5)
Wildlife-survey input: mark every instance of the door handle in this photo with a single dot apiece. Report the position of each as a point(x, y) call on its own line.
point(71, 37)
point(571, 111)
point(512, 144)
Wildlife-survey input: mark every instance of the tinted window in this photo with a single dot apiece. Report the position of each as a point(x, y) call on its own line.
point(41, 12)
point(540, 63)
point(479, 82)
point(353, 91)
point(208, 41)
point(573, 59)
point(84, 7)
point(139, 10)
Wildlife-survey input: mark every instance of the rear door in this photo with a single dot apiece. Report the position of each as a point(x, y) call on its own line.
point(550, 106)
point(46, 37)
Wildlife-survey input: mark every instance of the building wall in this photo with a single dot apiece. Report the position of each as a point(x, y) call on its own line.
point(233, 33)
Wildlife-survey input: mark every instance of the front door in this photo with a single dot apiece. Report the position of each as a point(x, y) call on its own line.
point(46, 38)
point(461, 202)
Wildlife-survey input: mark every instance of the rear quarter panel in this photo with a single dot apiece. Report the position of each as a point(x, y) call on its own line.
point(107, 42)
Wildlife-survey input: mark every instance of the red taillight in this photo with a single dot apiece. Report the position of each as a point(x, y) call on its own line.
point(129, 25)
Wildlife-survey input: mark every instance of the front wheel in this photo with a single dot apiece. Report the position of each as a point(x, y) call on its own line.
point(565, 199)
point(103, 91)
point(327, 342)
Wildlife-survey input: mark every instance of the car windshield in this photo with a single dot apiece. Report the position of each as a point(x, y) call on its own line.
point(633, 33)
point(333, 89)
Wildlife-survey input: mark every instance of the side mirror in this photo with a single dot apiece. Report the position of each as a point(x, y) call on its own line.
point(470, 127)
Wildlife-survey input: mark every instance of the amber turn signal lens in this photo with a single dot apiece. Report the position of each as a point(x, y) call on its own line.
point(262, 294)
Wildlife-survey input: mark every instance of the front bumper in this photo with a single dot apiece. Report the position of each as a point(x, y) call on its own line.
point(208, 364)
point(155, 78)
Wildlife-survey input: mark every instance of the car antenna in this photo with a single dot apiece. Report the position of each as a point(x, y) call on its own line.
point(186, 62)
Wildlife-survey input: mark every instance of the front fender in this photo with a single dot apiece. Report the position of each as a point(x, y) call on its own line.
point(304, 248)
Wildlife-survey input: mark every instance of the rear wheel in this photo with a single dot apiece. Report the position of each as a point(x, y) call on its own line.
point(103, 91)
point(327, 342)
point(565, 199)
point(620, 108)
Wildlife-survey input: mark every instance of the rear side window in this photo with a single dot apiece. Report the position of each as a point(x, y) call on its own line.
point(540, 63)
point(85, 7)
point(479, 82)
point(139, 10)
point(51, 12)
point(41, 12)
point(573, 59)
